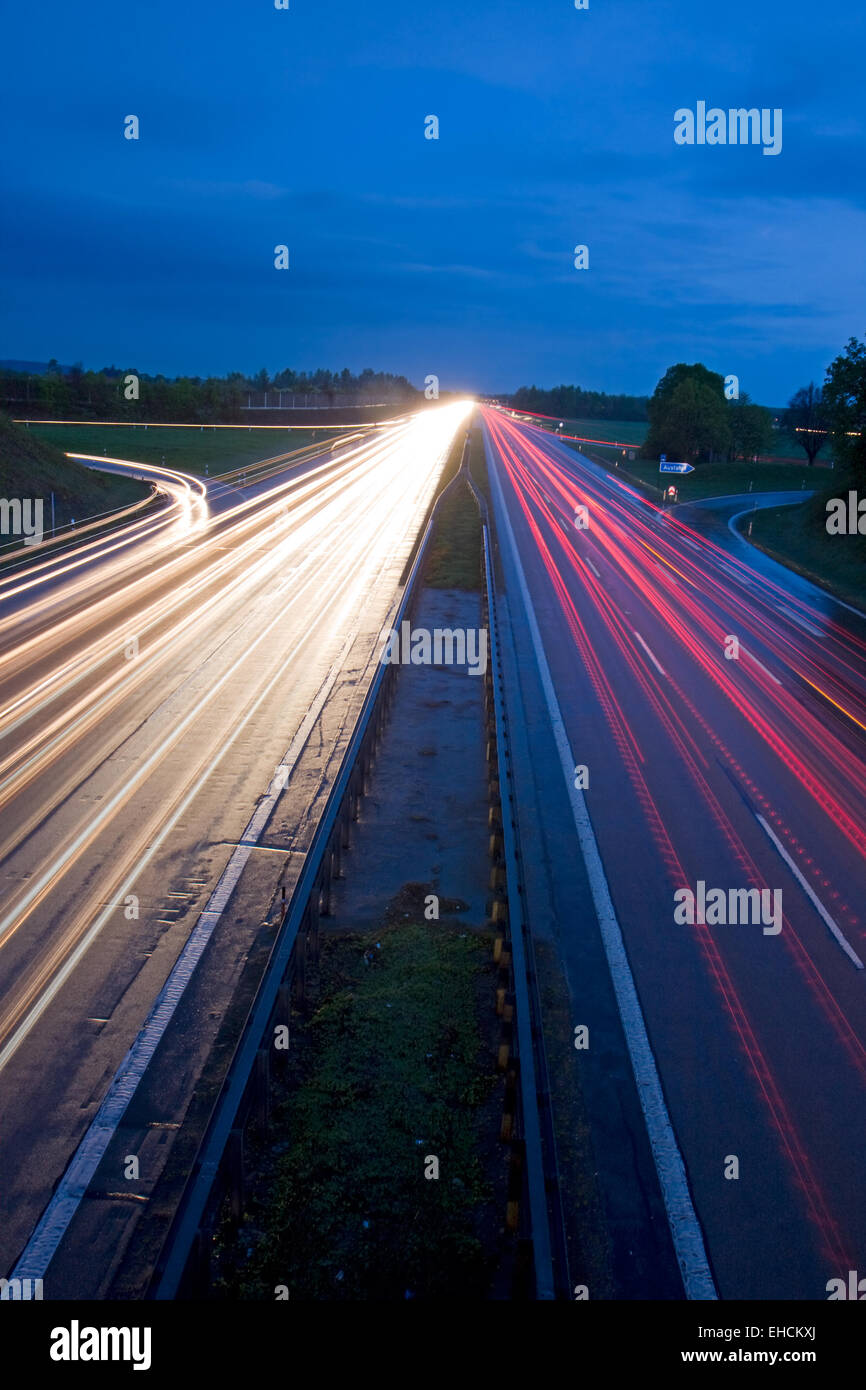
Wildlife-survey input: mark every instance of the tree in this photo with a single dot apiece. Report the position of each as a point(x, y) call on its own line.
point(844, 398)
point(805, 420)
point(695, 420)
point(687, 414)
point(751, 428)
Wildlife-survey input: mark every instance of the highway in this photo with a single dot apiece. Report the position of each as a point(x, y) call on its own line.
point(158, 684)
point(739, 771)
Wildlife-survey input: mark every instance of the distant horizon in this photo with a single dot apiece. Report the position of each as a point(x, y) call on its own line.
point(21, 364)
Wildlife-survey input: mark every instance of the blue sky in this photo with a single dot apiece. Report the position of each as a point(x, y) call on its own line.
point(306, 127)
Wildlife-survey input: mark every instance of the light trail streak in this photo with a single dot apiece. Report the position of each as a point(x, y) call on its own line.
point(546, 491)
point(219, 604)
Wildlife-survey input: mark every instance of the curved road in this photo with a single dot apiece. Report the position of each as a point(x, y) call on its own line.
point(151, 684)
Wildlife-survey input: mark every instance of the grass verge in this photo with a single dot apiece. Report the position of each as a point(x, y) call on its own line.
point(188, 450)
point(453, 561)
point(798, 537)
point(392, 1069)
point(31, 467)
point(713, 479)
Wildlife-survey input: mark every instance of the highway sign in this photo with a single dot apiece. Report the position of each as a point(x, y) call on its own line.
point(665, 467)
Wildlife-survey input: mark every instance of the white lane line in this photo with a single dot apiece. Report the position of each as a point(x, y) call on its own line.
point(752, 657)
point(592, 567)
point(657, 664)
point(801, 622)
point(56, 1218)
point(819, 907)
point(684, 1225)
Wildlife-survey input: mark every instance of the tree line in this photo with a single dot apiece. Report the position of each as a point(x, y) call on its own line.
point(573, 403)
point(690, 417)
point(75, 394)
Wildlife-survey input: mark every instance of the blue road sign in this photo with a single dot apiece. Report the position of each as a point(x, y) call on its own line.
point(663, 458)
point(665, 467)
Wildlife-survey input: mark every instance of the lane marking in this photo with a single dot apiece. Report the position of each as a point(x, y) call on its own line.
point(835, 703)
point(73, 1185)
point(801, 622)
point(807, 888)
point(752, 657)
point(592, 567)
point(685, 1228)
point(70, 1191)
point(660, 560)
point(657, 664)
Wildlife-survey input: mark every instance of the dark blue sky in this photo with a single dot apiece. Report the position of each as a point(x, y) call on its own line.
point(455, 256)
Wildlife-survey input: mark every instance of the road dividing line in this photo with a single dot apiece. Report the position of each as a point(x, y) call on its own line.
point(58, 1215)
point(657, 664)
point(592, 567)
point(801, 622)
point(835, 931)
point(752, 657)
point(685, 1228)
point(834, 703)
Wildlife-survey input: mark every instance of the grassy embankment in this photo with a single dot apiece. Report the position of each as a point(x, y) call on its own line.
point(32, 467)
point(798, 537)
point(188, 450)
point(717, 479)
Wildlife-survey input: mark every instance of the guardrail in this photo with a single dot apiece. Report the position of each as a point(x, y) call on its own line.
point(527, 1124)
point(217, 1175)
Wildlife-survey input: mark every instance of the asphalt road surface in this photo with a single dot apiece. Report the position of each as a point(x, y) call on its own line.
point(151, 683)
point(719, 709)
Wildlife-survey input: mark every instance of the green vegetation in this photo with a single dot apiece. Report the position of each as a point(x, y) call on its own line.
point(32, 467)
point(454, 561)
point(633, 433)
point(798, 537)
point(478, 458)
point(190, 451)
point(709, 479)
point(806, 422)
point(71, 393)
point(627, 431)
point(390, 1069)
point(690, 418)
point(573, 403)
point(844, 399)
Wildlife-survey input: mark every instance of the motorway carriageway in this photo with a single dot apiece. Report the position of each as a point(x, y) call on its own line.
point(744, 773)
point(151, 682)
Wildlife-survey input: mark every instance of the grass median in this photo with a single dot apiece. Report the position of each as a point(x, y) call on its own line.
point(391, 1072)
